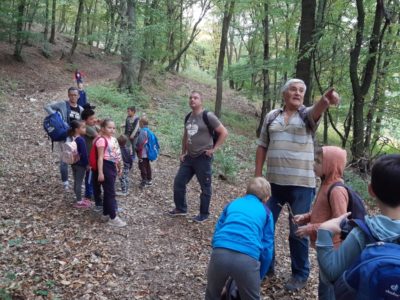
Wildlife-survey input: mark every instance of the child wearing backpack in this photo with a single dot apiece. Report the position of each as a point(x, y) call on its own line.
point(243, 243)
point(329, 165)
point(367, 263)
point(106, 163)
point(75, 133)
point(145, 146)
point(127, 160)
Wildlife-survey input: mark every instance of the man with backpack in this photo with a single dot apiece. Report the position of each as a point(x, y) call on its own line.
point(68, 111)
point(367, 264)
point(202, 136)
point(287, 141)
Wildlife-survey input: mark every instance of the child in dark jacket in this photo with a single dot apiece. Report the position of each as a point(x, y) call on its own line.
point(141, 150)
point(128, 161)
point(243, 243)
point(76, 131)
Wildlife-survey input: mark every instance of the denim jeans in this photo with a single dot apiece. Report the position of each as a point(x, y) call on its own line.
point(89, 184)
point(299, 198)
point(325, 289)
point(79, 174)
point(200, 166)
point(63, 165)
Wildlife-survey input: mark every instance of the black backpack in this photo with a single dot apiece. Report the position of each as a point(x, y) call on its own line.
point(211, 130)
point(356, 206)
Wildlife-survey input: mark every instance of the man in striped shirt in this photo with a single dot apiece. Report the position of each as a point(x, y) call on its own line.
point(287, 143)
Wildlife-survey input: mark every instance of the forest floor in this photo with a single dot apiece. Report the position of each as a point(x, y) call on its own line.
point(50, 250)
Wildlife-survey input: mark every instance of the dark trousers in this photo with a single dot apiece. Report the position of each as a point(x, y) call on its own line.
point(299, 198)
point(78, 173)
point(145, 169)
point(109, 201)
point(244, 269)
point(200, 166)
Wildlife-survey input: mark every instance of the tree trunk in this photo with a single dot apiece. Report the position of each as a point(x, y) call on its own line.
point(266, 106)
point(53, 22)
point(193, 35)
point(61, 22)
point(360, 89)
point(19, 32)
point(128, 19)
point(228, 12)
point(77, 27)
point(304, 60)
point(144, 58)
point(46, 24)
point(181, 35)
point(229, 52)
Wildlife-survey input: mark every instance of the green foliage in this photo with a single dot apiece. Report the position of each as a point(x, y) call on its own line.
point(4, 295)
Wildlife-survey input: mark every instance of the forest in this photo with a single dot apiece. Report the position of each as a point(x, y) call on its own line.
point(151, 54)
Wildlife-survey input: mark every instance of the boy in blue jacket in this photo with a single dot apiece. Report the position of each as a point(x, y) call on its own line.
point(243, 243)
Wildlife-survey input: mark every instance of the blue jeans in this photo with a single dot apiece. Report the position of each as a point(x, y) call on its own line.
point(299, 198)
point(64, 171)
point(325, 289)
point(200, 166)
point(89, 184)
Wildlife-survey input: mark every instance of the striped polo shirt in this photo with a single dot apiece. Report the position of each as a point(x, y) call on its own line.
point(290, 153)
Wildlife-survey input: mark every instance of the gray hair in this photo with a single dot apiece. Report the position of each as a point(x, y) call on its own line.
point(288, 83)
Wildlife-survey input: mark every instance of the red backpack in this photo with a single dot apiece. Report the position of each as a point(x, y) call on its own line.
point(93, 156)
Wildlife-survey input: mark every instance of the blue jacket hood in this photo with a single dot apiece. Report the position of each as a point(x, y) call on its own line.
point(384, 228)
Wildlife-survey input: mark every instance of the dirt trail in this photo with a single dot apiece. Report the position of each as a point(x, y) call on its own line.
point(50, 248)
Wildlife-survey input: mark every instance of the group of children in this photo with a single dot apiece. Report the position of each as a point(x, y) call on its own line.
point(243, 242)
point(101, 158)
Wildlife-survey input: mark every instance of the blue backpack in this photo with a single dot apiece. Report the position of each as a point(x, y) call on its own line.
point(152, 146)
point(375, 275)
point(55, 127)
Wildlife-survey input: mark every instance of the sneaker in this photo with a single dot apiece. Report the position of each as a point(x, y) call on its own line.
point(117, 222)
point(121, 194)
point(149, 182)
point(177, 212)
point(142, 184)
point(98, 208)
point(87, 201)
point(295, 284)
point(66, 185)
point(200, 218)
point(80, 204)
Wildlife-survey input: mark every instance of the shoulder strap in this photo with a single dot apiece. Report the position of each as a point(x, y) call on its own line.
point(339, 183)
point(207, 122)
point(187, 117)
point(274, 114)
point(365, 229)
point(68, 106)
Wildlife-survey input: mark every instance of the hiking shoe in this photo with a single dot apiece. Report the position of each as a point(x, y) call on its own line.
point(121, 194)
point(295, 284)
point(117, 222)
point(149, 182)
point(200, 218)
point(142, 184)
point(177, 212)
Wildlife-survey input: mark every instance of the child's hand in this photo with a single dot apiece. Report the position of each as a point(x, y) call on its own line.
point(333, 225)
point(302, 231)
point(101, 177)
point(300, 219)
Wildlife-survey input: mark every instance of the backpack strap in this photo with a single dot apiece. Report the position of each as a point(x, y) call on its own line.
point(207, 122)
point(274, 114)
point(68, 106)
point(339, 183)
point(365, 229)
point(187, 118)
